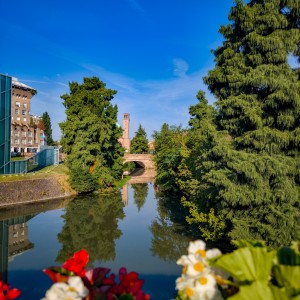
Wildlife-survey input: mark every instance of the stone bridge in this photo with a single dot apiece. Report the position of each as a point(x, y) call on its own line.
point(144, 160)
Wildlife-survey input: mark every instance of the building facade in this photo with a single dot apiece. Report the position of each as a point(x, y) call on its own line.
point(27, 133)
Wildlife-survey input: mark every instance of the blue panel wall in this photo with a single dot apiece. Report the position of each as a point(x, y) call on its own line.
point(5, 123)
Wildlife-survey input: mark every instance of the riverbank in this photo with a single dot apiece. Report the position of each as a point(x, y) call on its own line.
point(49, 183)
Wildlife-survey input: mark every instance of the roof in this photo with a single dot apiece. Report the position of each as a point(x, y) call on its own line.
point(21, 85)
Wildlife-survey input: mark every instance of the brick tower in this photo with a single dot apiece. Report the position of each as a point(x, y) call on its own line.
point(125, 137)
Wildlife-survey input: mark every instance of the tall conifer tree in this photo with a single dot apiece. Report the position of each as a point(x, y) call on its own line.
point(90, 135)
point(47, 128)
point(139, 143)
point(252, 180)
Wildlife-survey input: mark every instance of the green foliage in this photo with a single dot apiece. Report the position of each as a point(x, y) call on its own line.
point(129, 166)
point(247, 264)
point(168, 145)
point(90, 133)
point(260, 291)
point(82, 181)
point(47, 128)
point(241, 159)
point(257, 273)
point(289, 255)
point(33, 92)
point(139, 143)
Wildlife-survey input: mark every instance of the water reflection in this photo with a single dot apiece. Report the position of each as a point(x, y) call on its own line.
point(14, 230)
point(91, 223)
point(140, 192)
point(170, 239)
point(142, 236)
point(14, 241)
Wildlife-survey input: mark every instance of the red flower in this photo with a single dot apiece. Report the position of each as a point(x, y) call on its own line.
point(129, 285)
point(77, 263)
point(6, 293)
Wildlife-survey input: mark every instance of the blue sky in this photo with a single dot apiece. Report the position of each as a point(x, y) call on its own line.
point(154, 53)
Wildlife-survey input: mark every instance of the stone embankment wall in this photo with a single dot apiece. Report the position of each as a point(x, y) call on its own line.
point(33, 190)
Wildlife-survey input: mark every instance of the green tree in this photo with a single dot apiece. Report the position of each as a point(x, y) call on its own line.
point(169, 142)
point(47, 128)
point(90, 136)
point(139, 143)
point(250, 181)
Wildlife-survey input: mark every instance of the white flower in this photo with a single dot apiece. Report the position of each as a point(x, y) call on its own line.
point(206, 288)
point(202, 288)
point(213, 253)
point(74, 289)
point(184, 282)
point(197, 248)
point(193, 265)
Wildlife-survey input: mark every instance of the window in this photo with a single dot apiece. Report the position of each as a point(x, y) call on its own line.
point(23, 112)
point(18, 104)
point(23, 142)
point(29, 142)
point(24, 105)
point(16, 111)
point(18, 119)
point(24, 119)
point(16, 142)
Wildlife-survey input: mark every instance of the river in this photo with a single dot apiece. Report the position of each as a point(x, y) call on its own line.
point(134, 229)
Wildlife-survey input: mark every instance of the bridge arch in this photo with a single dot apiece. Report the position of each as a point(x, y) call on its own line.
point(144, 160)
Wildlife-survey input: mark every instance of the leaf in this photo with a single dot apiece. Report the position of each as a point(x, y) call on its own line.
point(288, 276)
point(247, 243)
point(247, 264)
point(289, 255)
point(126, 297)
point(260, 291)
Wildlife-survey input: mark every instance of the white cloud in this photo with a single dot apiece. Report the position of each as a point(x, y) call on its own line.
point(149, 102)
point(154, 102)
point(180, 67)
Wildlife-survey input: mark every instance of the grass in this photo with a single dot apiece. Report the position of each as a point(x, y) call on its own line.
point(122, 182)
point(51, 171)
point(18, 158)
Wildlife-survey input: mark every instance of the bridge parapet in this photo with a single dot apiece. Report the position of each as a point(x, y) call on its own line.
point(144, 159)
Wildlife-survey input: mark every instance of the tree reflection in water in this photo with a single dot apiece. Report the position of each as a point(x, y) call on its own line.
point(140, 193)
point(91, 223)
point(257, 223)
point(170, 239)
